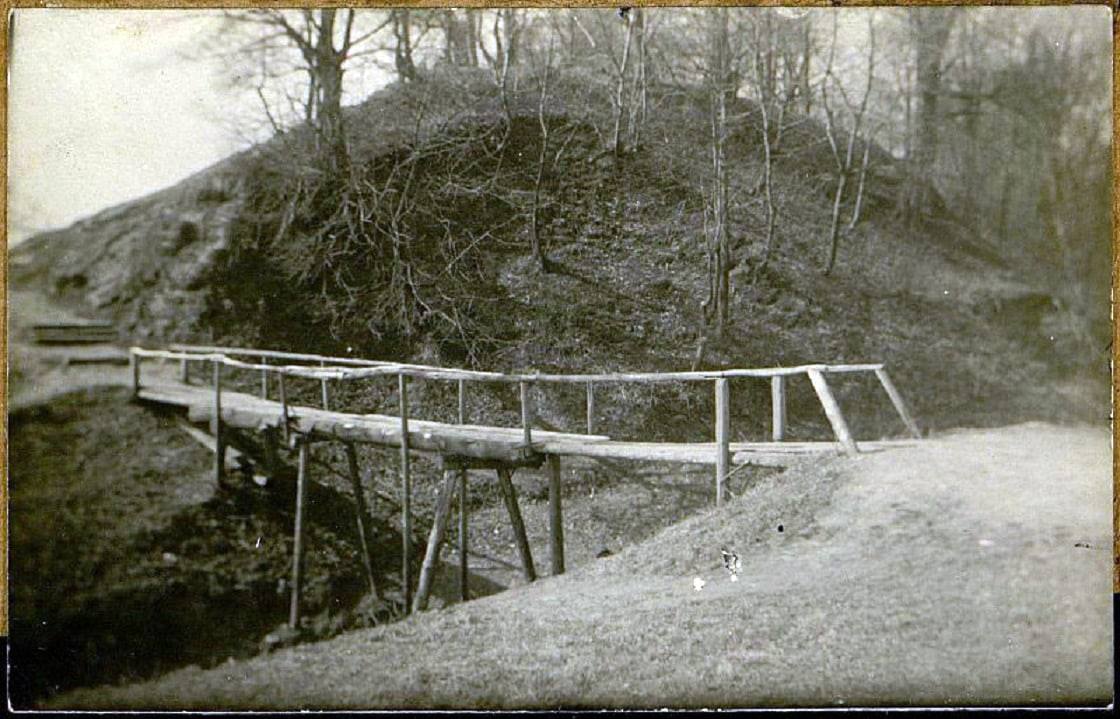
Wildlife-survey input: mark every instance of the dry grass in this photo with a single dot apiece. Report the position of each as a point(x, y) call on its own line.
point(933, 576)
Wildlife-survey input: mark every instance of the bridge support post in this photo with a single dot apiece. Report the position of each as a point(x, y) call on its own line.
point(778, 404)
point(832, 411)
point(723, 436)
point(464, 569)
point(271, 452)
point(360, 515)
point(406, 496)
point(297, 543)
point(555, 520)
point(510, 496)
point(435, 539)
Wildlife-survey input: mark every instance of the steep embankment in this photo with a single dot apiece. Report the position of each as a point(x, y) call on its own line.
point(973, 569)
point(147, 263)
point(249, 252)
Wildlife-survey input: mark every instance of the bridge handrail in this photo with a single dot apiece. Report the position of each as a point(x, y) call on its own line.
point(345, 368)
point(376, 368)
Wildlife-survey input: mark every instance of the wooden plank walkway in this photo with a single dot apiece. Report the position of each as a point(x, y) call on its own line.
point(245, 411)
point(470, 441)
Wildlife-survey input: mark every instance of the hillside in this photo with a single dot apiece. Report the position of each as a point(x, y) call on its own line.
point(969, 340)
point(947, 574)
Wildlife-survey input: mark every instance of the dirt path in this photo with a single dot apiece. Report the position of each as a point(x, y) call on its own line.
point(974, 569)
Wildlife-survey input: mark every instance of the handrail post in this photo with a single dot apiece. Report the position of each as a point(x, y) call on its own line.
point(832, 411)
point(134, 365)
point(778, 403)
point(406, 496)
point(284, 408)
point(264, 378)
point(326, 390)
point(899, 405)
point(591, 408)
point(526, 414)
point(723, 435)
point(184, 374)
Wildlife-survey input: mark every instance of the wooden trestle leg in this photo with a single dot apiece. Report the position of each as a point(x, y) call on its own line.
point(360, 515)
point(510, 496)
point(435, 539)
point(297, 545)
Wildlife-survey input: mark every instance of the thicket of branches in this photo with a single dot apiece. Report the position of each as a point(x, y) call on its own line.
point(1002, 125)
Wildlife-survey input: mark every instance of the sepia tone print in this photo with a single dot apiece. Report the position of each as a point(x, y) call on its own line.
point(559, 358)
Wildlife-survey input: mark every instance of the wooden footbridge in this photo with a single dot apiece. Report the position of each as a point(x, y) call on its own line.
point(462, 446)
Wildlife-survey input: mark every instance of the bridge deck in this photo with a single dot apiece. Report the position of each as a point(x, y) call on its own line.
point(500, 444)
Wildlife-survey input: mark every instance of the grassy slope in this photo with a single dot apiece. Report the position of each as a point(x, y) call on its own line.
point(940, 574)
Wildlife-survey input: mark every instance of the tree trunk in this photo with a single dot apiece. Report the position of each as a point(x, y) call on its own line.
point(472, 37)
point(638, 98)
point(328, 63)
point(862, 177)
point(834, 228)
point(402, 51)
point(620, 94)
point(931, 27)
point(807, 49)
point(721, 281)
point(542, 159)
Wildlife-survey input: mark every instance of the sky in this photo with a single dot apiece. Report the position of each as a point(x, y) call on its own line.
point(108, 105)
point(103, 108)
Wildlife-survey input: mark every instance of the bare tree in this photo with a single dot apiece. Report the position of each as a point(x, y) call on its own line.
point(542, 162)
point(325, 42)
point(844, 156)
point(779, 72)
point(722, 83)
